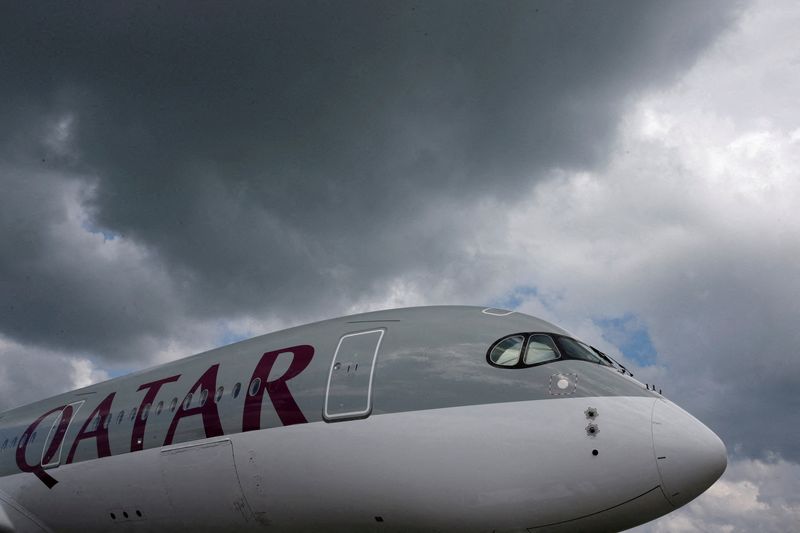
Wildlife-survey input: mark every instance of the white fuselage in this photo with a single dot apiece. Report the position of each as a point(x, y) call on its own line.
point(499, 467)
point(317, 446)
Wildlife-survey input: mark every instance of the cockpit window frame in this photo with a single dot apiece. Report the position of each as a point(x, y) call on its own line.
point(553, 346)
point(562, 356)
point(520, 355)
point(526, 335)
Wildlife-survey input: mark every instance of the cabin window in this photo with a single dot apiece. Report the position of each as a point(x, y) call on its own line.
point(203, 397)
point(255, 386)
point(23, 441)
point(120, 416)
point(133, 413)
point(172, 405)
point(145, 412)
point(5, 444)
point(236, 389)
point(159, 408)
point(540, 348)
point(218, 396)
point(33, 437)
point(95, 423)
point(187, 401)
point(507, 351)
point(14, 442)
point(106, 421)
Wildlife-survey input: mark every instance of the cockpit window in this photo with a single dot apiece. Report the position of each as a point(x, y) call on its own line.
point(507, 351)
point(541, 348)
point(578, 350)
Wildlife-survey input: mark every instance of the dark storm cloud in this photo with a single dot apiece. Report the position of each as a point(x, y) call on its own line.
point(279, 156)
point(730, 348)
point(54, 283)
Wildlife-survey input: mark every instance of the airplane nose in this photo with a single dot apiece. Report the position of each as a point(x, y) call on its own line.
point(690, 457)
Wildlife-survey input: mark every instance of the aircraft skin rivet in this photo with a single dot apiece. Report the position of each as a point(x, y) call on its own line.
point(592, 430)
point(591, 413)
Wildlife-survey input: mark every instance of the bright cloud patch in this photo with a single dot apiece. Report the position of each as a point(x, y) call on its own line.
point(85, 373)
point(27, 374)
point(752, 495)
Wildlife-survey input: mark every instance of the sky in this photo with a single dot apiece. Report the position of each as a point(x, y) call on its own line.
point(180, 176)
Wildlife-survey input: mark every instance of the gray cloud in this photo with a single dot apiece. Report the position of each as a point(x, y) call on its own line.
point(277, 158)
point(752, 495)
point(707, 270)
point(27, 374)
point(73, 287)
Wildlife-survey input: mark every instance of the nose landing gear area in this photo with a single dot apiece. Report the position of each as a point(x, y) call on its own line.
point(690, 457)
point(643, 508)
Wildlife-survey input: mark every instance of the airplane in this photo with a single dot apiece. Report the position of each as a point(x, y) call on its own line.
point(446, 418)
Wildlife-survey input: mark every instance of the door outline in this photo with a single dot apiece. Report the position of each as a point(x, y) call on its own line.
point(76, 406)
point(182, 502)
point(353, 414)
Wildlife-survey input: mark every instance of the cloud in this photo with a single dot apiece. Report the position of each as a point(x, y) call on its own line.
point(752, 495)
point(288, 163)
point(691, 229)
point(28, 374)
point(64, 281)
point(84, 373)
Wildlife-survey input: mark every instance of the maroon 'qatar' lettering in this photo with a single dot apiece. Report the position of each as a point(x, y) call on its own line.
point(55, 445)
point(137, 436)
point(288, 410)
point(208, 409)
point(103, 411)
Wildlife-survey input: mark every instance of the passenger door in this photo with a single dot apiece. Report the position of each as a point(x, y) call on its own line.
point(349, 391)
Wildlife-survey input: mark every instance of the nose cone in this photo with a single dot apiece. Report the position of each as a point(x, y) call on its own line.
point(690, 456)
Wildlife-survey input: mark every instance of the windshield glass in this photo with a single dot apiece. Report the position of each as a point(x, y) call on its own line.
point(506, 352)
point(540, 349)
point(578, 350)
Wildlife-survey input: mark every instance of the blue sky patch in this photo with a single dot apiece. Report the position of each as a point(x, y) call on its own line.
point(228, 336)
point(117, 372)
point(107, 234)
point(515, 298)
point(630, 335)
